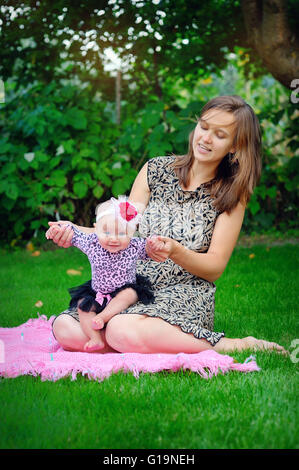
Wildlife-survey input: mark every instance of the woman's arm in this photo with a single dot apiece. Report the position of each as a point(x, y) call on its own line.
point(208, 265)
point(140, 192)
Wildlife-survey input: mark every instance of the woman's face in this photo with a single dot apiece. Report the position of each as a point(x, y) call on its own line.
point(214, 136)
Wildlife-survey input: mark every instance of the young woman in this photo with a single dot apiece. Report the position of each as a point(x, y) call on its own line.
point(196, 204)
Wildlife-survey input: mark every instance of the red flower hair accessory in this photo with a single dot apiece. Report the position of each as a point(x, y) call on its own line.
point(126, 211)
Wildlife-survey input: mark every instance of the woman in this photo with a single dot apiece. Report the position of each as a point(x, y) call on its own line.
point(196, 203)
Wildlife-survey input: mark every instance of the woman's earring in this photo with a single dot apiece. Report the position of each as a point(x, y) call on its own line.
point(231, 160)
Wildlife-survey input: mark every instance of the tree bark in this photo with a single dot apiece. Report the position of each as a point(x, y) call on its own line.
point(269, 34)
point(118, 96)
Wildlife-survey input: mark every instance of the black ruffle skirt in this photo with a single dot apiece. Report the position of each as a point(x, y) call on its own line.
point(87, 295)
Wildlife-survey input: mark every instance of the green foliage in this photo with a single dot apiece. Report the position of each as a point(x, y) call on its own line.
point(61, 151)
point(275, 202)
point(157, 130)
point(57, 157)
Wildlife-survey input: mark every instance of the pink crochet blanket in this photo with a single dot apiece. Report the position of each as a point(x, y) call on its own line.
point(30, 349)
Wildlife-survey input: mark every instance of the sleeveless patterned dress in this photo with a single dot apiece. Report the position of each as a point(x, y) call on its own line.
point(181, 298)
point(189, 217)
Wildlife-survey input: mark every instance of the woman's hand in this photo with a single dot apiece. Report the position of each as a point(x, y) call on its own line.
point(160, 248)
point(61, 233)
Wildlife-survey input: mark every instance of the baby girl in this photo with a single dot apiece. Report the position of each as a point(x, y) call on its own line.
point(113, 252)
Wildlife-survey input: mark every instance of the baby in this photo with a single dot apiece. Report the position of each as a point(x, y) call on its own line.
point(113, 252)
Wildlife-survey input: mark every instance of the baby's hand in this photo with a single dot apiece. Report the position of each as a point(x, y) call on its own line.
point(64, 235)
point(154, 244)
point(155, 248)
point(55, 230)
point(160, 248)
point(52, 231)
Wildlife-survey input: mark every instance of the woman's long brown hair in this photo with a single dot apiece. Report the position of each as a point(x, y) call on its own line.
point(236, 177)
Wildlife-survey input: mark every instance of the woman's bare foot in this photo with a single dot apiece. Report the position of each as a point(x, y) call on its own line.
point(261, 345)
point(97, 322)
point(240, 344)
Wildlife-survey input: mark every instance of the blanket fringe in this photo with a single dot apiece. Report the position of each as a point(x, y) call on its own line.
point(31, 349)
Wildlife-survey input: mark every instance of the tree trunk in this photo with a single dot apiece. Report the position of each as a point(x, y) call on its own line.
point(118, 96)
point(270, 36)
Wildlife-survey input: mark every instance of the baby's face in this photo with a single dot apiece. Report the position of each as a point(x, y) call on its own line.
point(112, 235)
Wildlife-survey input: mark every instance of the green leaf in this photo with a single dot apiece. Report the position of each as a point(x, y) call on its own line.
point(8, 168)
point(52, 162)
point(5, 148)
point(57, 178)
point(254, 205)
point(8, 203)
point(152, 114)
point(118, 170)
point(105, 179)
point(272, 192)
point(76, 118)
point(80, 189)
point(3, 185)
point(68, 145)
point(35, 224)
point(76, 159)
point(19, 227)
point(83, 177)
point(12, 191)
point(119, 187)
point(85, 152)
point(98, 191)
point(136, 141)
point(41, 156)
point(173, 119)
point(261, 191)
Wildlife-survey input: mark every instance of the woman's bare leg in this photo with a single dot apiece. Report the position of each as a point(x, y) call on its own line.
point(70, 336)
point(143, 334)
point(134, 333)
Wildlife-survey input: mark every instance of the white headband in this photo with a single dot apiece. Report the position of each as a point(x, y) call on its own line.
point(123, 210)
point(102, 214)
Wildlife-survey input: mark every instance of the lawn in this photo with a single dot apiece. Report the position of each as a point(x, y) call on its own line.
point(257, 295)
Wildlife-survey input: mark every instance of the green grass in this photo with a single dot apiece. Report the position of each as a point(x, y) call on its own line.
point(255, 296)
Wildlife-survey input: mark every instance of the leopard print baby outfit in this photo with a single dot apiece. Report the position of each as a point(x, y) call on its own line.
point(189, 217)
point(110, 270)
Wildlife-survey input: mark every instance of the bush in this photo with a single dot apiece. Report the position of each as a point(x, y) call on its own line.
point(61, 153)
point(57, 153)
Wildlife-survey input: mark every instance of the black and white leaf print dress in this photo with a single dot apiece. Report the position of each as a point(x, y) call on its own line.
point(189, 217)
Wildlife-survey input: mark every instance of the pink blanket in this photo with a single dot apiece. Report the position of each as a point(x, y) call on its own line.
point(30, 349)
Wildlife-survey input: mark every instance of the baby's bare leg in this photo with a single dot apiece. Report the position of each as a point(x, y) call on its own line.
point(120, 302)
point(95, 341)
